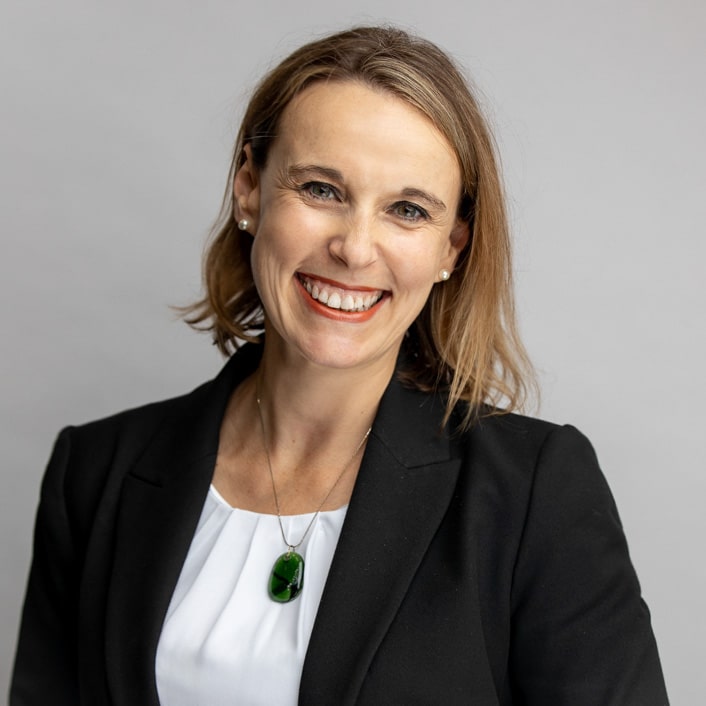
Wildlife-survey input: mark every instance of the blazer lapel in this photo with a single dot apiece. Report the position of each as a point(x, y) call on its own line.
point(404, 486)
point(160, 505)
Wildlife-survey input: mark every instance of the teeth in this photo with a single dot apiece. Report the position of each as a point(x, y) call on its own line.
point(336, 300)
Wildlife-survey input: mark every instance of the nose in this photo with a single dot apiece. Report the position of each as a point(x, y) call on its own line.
point(356, 243)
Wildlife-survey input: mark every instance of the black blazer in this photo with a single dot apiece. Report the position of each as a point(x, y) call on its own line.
point(487, 569)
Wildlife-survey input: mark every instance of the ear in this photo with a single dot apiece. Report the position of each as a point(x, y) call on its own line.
point(246, 191)
point(458, 239)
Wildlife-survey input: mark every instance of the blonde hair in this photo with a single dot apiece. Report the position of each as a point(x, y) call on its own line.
point(465, 340)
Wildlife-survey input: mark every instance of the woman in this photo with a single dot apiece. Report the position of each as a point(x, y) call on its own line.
point(345, 514)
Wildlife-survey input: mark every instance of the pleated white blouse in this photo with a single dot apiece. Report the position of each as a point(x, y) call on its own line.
point(224, 640)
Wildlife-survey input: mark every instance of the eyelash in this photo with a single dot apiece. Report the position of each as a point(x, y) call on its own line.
point(309, 187)
point(403, 205)
point(396, 209)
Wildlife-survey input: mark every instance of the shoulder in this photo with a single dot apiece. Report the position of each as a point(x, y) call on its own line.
point(506, 454)
point(533, 467)
point(502, 444)
point(526, 442)
point(135, 425)
point(129, 420)
point(90, 459)
point(545, 486)
point(131, 430)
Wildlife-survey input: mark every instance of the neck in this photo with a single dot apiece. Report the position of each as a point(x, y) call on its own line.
point(312, 403)
point(314, 417)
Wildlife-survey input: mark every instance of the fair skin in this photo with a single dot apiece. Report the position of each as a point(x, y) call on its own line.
point(353, 219)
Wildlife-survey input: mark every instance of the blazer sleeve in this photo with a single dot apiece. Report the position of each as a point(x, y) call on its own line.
point(581, 631)
point(45, 670)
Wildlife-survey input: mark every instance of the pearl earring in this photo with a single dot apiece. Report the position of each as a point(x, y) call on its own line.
point(243, 224)
point(444, 275)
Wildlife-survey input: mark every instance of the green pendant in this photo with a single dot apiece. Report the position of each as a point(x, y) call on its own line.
point(287, 577)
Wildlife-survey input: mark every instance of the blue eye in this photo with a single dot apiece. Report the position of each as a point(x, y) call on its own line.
point(320, 190)
point(409, 211)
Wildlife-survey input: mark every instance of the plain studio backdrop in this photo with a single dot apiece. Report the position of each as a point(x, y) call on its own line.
point(117, 126)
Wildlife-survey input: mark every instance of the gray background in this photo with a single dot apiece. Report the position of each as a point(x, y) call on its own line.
point(117, 124)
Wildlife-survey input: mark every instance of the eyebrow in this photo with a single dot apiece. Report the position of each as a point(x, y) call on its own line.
point(303, 170)
point(421, 195)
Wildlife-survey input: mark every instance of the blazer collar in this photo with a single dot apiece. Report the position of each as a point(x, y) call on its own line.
point(405, 483)
point(160, 503)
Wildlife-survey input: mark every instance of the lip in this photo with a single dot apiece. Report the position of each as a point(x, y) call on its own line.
point(339, 285)
point(339, 314)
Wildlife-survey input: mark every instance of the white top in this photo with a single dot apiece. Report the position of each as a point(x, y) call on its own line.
point(224, 640)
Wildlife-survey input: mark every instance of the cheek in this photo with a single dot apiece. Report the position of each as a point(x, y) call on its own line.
point(265, 259)
point(266, 270)
point(417, 267)
point(286, 234)
point(256, 270)
point(281, 246)
point(271, 248)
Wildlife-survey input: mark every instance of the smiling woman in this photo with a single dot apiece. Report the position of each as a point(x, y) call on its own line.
point(465, 336)
point(351, 512)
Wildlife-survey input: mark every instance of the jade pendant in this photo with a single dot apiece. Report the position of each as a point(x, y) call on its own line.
point(287, 577)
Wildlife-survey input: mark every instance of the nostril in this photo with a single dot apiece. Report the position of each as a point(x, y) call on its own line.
point(354, 249)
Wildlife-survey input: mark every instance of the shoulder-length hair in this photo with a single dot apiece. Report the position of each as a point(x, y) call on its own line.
point(465, 340)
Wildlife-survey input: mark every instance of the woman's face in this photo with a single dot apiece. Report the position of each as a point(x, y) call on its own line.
point(353, 218)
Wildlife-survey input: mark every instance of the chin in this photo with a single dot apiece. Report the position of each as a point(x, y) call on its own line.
point(345, 355)
point(335, 358)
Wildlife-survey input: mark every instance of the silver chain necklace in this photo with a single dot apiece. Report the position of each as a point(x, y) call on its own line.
point(287, 575)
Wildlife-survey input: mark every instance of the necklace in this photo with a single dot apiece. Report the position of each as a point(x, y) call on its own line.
point(287, 575)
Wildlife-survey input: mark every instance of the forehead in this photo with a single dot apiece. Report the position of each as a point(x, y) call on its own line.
point(359, 127)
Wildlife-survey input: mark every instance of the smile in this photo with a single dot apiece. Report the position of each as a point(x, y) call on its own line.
point(338, 298)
